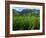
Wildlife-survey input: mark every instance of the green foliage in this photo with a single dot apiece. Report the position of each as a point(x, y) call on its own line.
point(26, 22)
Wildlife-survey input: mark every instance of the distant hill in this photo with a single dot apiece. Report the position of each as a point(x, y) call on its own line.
point(26, 12)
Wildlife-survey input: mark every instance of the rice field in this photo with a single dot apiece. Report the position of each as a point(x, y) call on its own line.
point(26, 22)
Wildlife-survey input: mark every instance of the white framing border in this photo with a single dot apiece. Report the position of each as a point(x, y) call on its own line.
point(25, 31)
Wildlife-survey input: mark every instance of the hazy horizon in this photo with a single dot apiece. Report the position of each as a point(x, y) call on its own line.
point(21, 8)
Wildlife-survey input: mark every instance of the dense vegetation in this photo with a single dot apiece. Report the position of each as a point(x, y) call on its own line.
point(28, 19)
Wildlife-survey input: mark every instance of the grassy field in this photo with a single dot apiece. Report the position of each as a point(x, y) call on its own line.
point(26, 22)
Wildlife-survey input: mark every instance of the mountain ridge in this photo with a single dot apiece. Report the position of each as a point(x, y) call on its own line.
point(26, 11)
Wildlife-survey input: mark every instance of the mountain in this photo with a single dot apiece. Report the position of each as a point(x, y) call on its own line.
point(26, 11)
point(30, 11)
point(15, 12)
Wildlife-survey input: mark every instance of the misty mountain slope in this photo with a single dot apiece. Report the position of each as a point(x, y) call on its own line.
point(26, 12)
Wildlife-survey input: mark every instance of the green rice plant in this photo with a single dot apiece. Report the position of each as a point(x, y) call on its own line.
point(26, 22)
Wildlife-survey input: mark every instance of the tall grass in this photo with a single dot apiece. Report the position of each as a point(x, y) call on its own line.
point(26, 22)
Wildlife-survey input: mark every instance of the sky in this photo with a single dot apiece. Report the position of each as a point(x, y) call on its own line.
point(19, 8)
